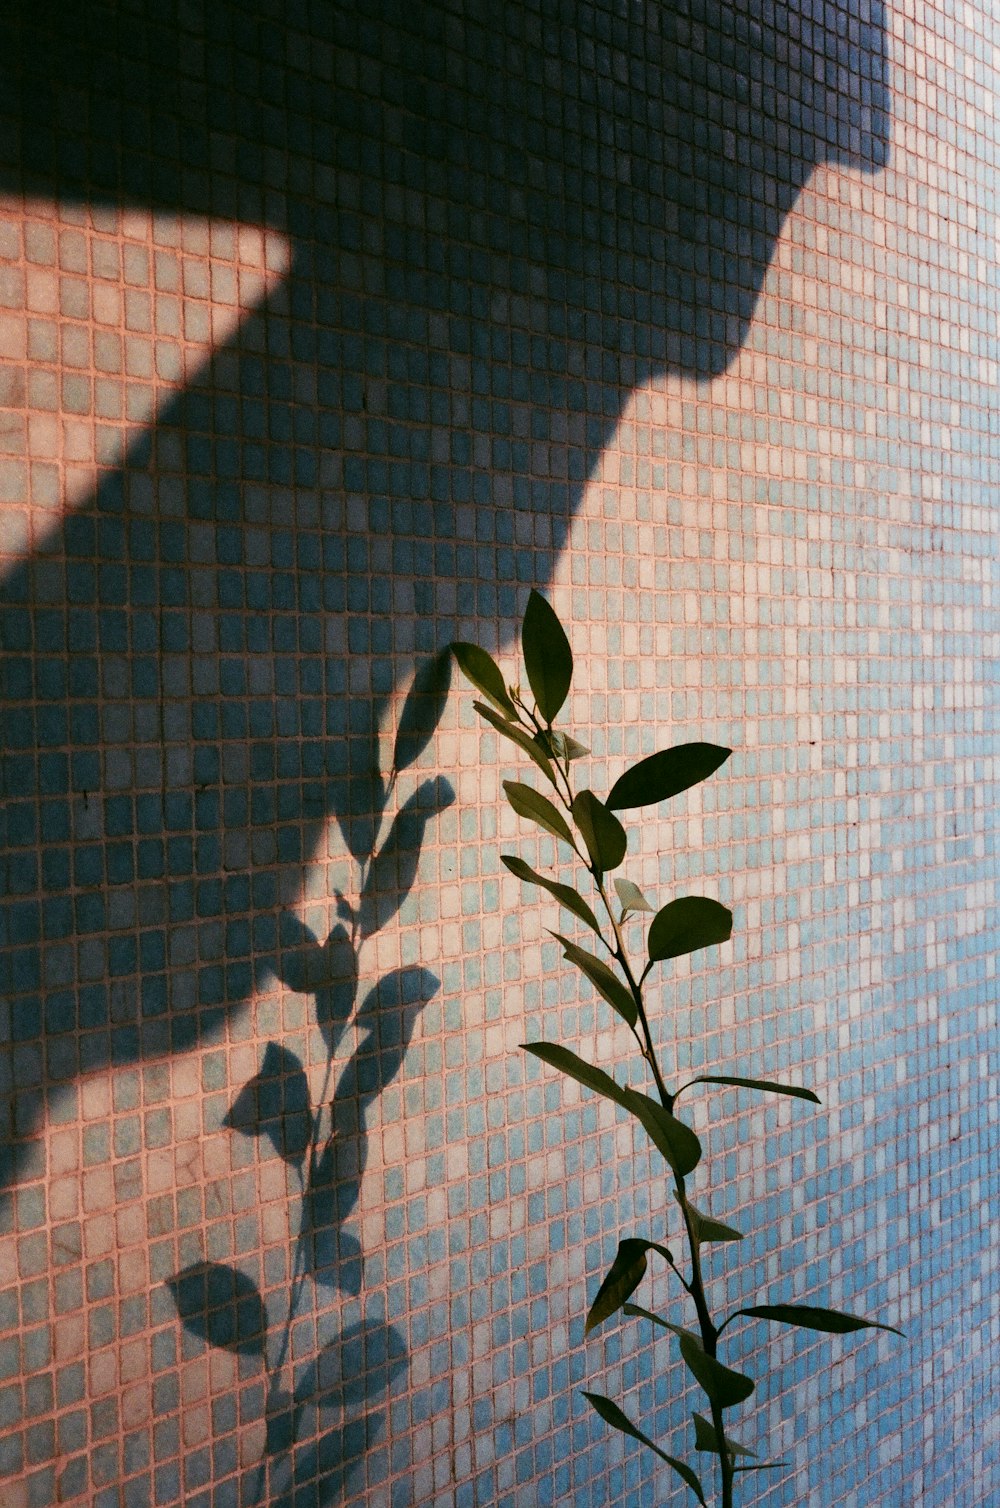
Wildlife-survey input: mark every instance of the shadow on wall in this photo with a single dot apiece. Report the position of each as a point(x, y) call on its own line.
point(502, 223)
point(325, 1142)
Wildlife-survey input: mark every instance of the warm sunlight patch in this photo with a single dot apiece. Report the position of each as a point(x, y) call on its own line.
point(104, 315)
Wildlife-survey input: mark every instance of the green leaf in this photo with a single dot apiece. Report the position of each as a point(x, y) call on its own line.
point(766, 1086)
point(518, 736)
point(566, 747)
point(665, 774)
point(564, 894)
point(636, 1311)
point(671, 1137)
point(527, 802)
point(707, 1229)
point(811, 1318)
point(631, 897)
point(687, 924)
point(483, 671)
point(724, 1387)
point(576, 1068)
point(602, 832)
point(624, 1276)
point(606, 983)
point(612, 1414)
point(763, 1465)
point(705, 1438)
point(548, 658)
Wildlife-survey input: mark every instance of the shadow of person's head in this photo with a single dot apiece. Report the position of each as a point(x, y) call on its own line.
point(504, 220)
point(631, 169)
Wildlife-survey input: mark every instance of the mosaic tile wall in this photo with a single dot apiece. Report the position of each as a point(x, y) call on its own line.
point(327, 332)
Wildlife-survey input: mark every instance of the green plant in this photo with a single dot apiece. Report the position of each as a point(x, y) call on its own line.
point(589, 829)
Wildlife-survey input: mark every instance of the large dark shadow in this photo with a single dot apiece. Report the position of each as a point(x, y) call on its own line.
point(502, 224)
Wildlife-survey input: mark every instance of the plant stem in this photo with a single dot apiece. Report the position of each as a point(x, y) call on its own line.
point(644, 1038)
point(696, 1287)
point(274, 1373)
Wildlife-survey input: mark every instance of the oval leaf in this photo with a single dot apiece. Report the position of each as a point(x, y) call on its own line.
point(671, 1137)
point(724, 1387)
point(517, 735)
point(330, 1254)
point(665, 774)
point(221, 1306)
point(602, 832)
point(687, 924)
point(330, 972)
point(707, 1229)
point(631, 897)
point(483, 671)
point(275, 1105)
point(548, 658)
point(564, 746)
point(358, 804)
point(324, 1470)
point(624, 1276)
point(336, 986)
point(298, 961)
point(705, 1438)
point(422, 710)
point(530, 803)
point(613, 1415)
point(675, 1140)
point(564, 894)
point(809, 1317)
point(615, 992)
point(766, 1086)
point(636, 1311)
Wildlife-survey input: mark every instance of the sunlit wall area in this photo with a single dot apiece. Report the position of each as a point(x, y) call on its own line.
point(327, 333)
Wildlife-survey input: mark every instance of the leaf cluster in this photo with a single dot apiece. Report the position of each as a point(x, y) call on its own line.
point(591, 837)
point(322, 1141)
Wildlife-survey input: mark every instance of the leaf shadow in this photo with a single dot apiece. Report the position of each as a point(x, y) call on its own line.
point(422, 710)
point(322, 1470)
point(274, 1105)
point(352, 1371)
point(387, 1018)
point(327, 971)
point(394, 868)
point(355, 1368)
point(221, 1306)
point(357, 789)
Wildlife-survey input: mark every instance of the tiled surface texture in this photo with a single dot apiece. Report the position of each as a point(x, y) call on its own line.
point(327, 332)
